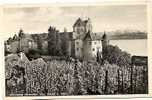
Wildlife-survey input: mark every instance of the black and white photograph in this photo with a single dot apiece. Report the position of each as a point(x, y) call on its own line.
point(80, 50)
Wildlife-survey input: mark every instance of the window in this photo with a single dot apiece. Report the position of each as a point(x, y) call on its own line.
point(90, 42)
point(77, 49)
point(77, 43)
point(93, 49)
point(78, 30)
point(94, 42)
point(45, 42)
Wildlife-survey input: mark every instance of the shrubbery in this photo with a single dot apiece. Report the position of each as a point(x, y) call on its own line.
point(114, 55)
point(60, 77)
point(36, 53)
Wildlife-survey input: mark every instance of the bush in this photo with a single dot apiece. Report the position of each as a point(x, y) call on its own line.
point(114, 55)
point(36, 53)
point(7, 52)
point(59, 77)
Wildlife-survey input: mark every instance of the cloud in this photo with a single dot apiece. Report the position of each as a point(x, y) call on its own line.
point(38, 19)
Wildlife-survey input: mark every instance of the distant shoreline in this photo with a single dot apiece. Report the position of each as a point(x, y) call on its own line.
point(129, 39)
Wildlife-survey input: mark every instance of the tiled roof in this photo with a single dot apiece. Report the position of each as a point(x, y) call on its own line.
point(96, 36)
point(81, 36)
point(80, 22)
point(92, 36)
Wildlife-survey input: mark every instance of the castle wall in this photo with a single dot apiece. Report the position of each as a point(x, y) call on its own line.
point(90, 49)
point(24, 45)
point(45, 45)
point(76, 44)
point(87, 53)
point(96, 45)
point(78, 31)
point(72, 48)
point(78, 48)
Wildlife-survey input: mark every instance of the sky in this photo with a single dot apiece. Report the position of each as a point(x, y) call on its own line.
point(103, 18)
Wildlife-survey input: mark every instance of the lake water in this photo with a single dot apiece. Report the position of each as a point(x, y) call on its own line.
point(134, 47)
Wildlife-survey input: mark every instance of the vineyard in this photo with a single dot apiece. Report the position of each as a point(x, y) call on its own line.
point(62, 78)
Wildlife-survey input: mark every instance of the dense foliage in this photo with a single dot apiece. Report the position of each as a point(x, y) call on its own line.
point(36, 53)
point(60, 77)
point(114, 55)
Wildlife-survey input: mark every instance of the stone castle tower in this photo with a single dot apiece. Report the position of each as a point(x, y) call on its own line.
point(87, 43)
point(81, 43)
point(81, 27)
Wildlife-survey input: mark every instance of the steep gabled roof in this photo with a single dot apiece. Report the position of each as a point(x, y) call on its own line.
point(88, 35)
point(104, 36)
point(93, 36)
point(86, 21)
point(81, 36)
point(78, 22)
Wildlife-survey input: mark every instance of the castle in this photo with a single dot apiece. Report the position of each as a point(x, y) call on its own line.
point(81, 43)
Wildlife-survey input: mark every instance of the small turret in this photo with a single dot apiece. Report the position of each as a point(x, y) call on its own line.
point(105, 43)
point(21, 33)
point(105, 40)
point(104, 37)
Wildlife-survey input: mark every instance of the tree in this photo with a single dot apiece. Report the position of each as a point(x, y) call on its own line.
point(78, 87)
point(99, 60)
point(15, 37)
point(52, 41)
point(114, 55)
point(17, 77)
point(33, 54)
point(39, 43)
point(41, 74)
point(65, 43)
